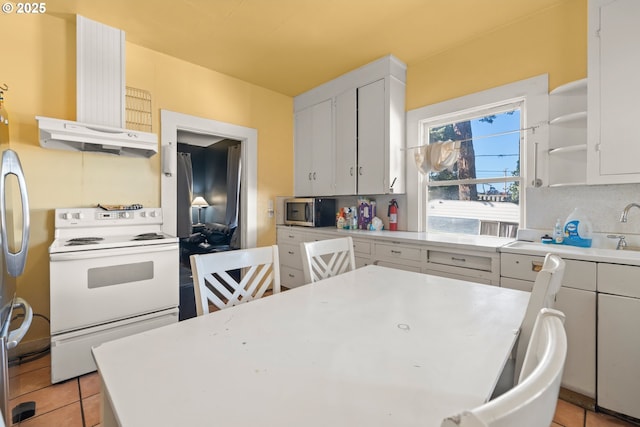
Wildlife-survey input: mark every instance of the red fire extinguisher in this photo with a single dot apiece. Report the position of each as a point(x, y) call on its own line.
point(393, 215)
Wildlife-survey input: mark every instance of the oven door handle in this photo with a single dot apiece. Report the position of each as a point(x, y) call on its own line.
point(102, 253)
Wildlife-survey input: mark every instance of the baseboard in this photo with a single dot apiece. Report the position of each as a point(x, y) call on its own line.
point(578, 399)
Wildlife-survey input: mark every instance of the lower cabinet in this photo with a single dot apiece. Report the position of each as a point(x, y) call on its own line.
point(618, 338)
point(577, 300)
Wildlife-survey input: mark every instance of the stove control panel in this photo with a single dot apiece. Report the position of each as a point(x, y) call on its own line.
point(92, 217)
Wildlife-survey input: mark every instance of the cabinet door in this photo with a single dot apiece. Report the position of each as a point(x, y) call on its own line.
point(579, 307)
point(618, 354)
point(346, 143)
point(614, 66)
point(371, 139)
point(314, 152)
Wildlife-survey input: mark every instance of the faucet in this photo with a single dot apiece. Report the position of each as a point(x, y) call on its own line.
point(625, 212)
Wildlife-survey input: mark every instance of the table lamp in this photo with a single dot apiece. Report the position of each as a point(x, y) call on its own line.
point(199, 202)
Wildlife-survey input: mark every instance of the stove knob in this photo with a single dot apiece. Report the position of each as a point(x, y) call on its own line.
point(152, 214)
point(143, 214)
point(66, 215)
point(78, 215)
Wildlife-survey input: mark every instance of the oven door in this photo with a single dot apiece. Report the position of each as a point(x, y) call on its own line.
point(98, 286)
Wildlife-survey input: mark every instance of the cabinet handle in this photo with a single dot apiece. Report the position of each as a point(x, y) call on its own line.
point(360, 170)
point(458, 259)
point(536, 266)
point(396, 252)
point(351, 171)
point(309, 176)
point(291, 252)
point(291, 275)
point(314, 176)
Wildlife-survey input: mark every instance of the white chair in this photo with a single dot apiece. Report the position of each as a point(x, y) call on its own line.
point(532, 402)
point(543, 295)
point(327, 258)
point(233, 277)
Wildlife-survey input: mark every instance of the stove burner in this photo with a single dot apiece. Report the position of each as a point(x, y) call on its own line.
point(79, 241)
point(148, 236)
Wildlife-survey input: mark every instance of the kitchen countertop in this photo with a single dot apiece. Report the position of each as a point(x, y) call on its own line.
point(446, 240)
point(494, 244)
point(628, 257)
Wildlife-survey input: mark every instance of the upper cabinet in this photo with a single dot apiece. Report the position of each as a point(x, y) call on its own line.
point(613, 91)
point(314, 150)
point(365, 134)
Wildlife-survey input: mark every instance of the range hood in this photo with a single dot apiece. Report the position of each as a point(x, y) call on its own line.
point(69, 135)
point(100, 99)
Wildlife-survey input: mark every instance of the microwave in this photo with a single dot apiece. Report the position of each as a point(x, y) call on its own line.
point(310, 212)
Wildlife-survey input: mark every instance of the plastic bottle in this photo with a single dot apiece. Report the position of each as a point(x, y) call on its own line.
point(578, 230)
point(558, 232)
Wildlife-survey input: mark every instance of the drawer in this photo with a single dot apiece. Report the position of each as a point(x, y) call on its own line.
point(291, 277)
point(577, 274)
point(523, 267)
point(619, 279)
point(362, 247)
point(290, 235)
point(474, 262)
point(290, 255)
point(400, 252)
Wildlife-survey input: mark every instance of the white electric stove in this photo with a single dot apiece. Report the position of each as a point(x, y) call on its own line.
point(112, 274)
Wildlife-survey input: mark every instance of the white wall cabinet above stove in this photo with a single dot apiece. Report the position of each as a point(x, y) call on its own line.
point(613, 88)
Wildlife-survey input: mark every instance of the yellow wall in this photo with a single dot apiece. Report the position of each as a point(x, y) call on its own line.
point(38, 64)
point(553, 42)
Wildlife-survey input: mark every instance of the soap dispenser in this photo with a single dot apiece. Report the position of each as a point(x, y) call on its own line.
point(558, 233)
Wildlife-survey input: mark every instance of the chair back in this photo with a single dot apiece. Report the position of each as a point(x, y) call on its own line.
point(532, 402)
point(327, 258)
point(543, 295)
point(230, 278)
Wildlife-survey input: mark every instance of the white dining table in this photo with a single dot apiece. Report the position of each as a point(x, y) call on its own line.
point(371, 347)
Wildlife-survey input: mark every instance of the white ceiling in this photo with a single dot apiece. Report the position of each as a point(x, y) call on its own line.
point(291, 46)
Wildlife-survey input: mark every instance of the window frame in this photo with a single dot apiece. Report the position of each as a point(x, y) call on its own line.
point(535, 112)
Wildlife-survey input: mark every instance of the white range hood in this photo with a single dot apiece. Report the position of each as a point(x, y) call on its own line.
point(100, 99)
point(69, 135)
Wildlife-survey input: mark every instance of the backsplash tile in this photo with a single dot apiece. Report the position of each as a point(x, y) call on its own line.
point(602, 203)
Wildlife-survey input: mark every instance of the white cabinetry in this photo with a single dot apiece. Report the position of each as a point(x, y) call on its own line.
point(369, 158)
point(398, 255)
point(288, 240)
point(613, 88)
point(366, 132)
point(314, 150)
point(568, 134)
point(618, 338)
point(577, 299)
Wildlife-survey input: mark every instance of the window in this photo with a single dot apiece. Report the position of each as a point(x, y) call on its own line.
point(470, 159)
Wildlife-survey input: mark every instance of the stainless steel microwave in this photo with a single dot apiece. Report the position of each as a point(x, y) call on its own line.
point(310, 212)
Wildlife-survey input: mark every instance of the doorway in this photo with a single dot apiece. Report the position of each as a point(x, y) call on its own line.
point(172, 124)
point(191, 134)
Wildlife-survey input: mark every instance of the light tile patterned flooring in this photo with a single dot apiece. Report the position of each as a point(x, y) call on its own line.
point(76, 402)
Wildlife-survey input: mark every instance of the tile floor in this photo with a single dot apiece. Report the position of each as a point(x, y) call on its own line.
point(76, 402)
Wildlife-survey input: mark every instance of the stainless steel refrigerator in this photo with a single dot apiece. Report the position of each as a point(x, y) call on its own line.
point(14, 236)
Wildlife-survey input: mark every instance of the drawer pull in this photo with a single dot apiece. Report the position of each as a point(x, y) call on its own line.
point(292, 275)
point(291, 252)
point(458, 259)
point(536, 266)
point(396, 252)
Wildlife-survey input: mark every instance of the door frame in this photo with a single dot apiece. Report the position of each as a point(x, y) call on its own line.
point(170, 123)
